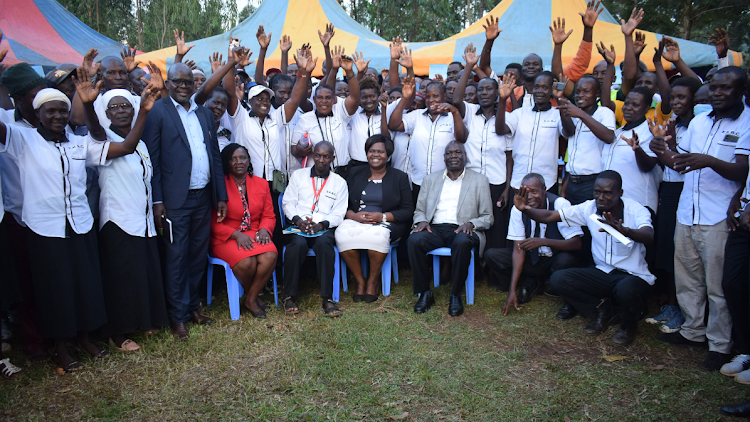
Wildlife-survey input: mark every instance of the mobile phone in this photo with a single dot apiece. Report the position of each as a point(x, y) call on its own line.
point(560, 86)
point(235, 43)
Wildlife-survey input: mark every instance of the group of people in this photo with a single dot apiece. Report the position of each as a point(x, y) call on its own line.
point(262, 172)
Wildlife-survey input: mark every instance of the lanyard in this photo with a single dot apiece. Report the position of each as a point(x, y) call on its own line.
point(336, 157)
point(317, 192)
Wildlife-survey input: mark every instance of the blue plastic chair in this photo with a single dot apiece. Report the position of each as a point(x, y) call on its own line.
point(310, 252)
point(234, 288)
point(436, 254)
point(391, 263)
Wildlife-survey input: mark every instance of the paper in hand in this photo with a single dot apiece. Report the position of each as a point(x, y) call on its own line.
point(611, 230)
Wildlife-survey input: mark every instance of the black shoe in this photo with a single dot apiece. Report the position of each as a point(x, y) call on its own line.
point(527, 291)
point(740, 410)
point(425, 301)
point(714, 361)
point(369, 298)
point(566, 312)
point(603, 316)
point(678, 339)
point(624, 336)
point(358, 298)
point(456, 306)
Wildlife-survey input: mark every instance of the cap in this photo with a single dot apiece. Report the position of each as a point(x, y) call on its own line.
point(21, 78)
point(272, 71)
point(59, 74)
point(257, 89)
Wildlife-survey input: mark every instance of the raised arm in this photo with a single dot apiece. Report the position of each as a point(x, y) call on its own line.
point(720, 39)
point(182, 49)
point(325, 38)
point(470, 57)
point(352, 101)
point(630, 68)
point(672, 54)
point(603, 133)
point(264, 41)
point(204, 92)
point(230, 83)
point(408, 91)
point(334, 63)
point(536, 214)
point(76, 111)
point(361, 65)
point(285, 44)
point(505, 90)
point(395, 48)
point(5, 101)
point(490, 32)
point(645, 162)
point(609, 57)
point(383, 100)
point(665, 90)
point(558, 37)
point(128, 146)
point(580, 63)
point(305, 67)
point(87, 92)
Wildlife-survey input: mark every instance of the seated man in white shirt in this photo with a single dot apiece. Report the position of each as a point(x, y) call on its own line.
point(453, 208)
point(313, 207)
point(533, 257)
point(621, 272)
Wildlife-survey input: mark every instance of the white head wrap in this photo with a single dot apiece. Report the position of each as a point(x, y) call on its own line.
point(112, 93)
point(198, 72)
point(49, 94)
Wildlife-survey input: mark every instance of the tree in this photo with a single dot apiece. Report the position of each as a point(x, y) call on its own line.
point(248, 10)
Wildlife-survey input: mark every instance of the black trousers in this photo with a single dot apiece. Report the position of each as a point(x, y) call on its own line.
point(185, 257)
point(584, 289)
point(294, 256)
point(496, 235)
point(277, 236)
point(415, 193)
point(578, 193)
point(500, 263)
point(443, 235)
point(736, 284)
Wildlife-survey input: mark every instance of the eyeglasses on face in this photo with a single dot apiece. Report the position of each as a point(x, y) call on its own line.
point(181, 82)
point(121, 106)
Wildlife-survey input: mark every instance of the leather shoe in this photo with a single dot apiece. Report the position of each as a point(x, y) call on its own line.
point(624, 336)
point(527, 291)
point(179, 330)
point(198, 319)
point(603, 315)
point(425, 301)
point(566, 312)
point(456, 306)
point(740, 410)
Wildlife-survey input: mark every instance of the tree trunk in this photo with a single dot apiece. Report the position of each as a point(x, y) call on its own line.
point(687, 18)
point(139, 11)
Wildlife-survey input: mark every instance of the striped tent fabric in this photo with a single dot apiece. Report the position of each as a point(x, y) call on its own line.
point(42, 32)
point(525, 25)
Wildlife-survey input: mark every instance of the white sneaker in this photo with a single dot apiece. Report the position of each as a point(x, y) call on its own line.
point(743, 377)
point(740, 364)
point(8, 370)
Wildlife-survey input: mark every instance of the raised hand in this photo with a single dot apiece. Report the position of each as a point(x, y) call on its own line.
point(671, 50)
point(408, 87)
point(88, 62)
point(216, 61)
point(239, 88)
point(406, 59)
point(149, 96)
point(634, 142)
point(658, 51)
point(439, 78)
point(608, 55)
point(285, 43)
point(556, 92)
point(87, 91)
point(558, 31)
point(191, 64)
point(128, 57)
point(567, 107)
point(325, 37)
point(263, 39)
point(656, 129)
point(360, 62)
point(304, 62)
point(519, 200)
point(179, 40)
point(347, 63)
point(610, 220)
point(721, 40)
point(490, 29)
point(470, 56)
point(156, 78)
point(395, 47)
point(306, 50)
point(639, 43)
point(336, 54)
point(636, 16)
point(509, 84)
point(592, 13)
point(244, 59)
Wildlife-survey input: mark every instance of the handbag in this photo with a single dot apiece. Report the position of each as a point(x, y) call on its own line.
point(278, 178)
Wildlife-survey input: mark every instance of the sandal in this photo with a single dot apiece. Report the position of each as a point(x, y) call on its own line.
point(290, 308)
point(263, 305)
point(331, 311)
point(127, 346)
point(103, 354)
point(8, 370)
point(71, 366)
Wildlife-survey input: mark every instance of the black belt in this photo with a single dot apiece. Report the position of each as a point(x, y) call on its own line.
point(196, 190)
point(582, 179)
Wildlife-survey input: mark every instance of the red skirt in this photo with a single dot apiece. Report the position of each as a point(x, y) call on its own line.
point(230, 253)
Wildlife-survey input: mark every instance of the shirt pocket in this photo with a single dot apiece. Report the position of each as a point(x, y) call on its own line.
point(726, 147)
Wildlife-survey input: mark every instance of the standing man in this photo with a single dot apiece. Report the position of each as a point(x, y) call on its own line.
point(188, 181)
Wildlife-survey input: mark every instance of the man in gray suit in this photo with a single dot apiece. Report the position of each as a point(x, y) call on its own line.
point(453, 208)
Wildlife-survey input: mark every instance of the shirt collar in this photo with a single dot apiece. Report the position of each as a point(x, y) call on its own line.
point(376, 112)
point(593, 110)
point(314, 173)
point(319, 114)
point(634, 124)
point(480, 113)
point(735, 114)
point(193, 105)
point(544, 107)
point(460, 177)
point(50, 137)
point(117, 131)
point(426, 112)
point(252, 114)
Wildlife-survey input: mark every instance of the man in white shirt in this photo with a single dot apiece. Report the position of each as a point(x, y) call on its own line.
point(714, 158)
point(366, 121)
point(538, 249)
point(535, 131)
point(315, 201)
point(453, 209)
point(621, 272)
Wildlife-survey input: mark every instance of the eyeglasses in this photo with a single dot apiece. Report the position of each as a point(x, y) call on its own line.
point(122, 106)
point(181, 82)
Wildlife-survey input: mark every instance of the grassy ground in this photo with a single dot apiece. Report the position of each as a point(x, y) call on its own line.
point(381, 361)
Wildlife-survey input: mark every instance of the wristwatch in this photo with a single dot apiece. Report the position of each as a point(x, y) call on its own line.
point(385, 218)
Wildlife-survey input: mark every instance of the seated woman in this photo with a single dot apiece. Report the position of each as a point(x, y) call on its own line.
point(380, 211)
point(243, 238)
point(128, 251)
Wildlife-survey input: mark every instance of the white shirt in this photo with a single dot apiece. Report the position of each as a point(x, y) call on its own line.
point(670, 175)
point(329, 128)
point(11, 176)
point(706, 195)
point(428, 141)
point(363, 126)
point(299, 197)
point(536, 145)
point(289, 162)
point(446, 209)
point(485, 149)
point(53, 179)
point(125, 197)
point(101, 109)
point(222, 140)
point(608, 253)
point(261, 140)
point(401, 140)
point(200, 173)
point(585, 149)
point(620, 157)
point(516, 230)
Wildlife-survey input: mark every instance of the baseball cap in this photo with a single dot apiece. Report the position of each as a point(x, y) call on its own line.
point(59, 74)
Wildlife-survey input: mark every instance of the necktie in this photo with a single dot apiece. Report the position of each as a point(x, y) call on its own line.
point(534, 253)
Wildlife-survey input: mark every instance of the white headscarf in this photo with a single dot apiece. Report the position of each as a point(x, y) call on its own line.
point(49, 94)
point(112, 93)
point(199, 72)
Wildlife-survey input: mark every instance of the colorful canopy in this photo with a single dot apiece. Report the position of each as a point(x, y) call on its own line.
point(525, 25)
point(42, 32)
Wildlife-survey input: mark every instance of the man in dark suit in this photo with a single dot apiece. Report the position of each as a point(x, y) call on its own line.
point(187, 182)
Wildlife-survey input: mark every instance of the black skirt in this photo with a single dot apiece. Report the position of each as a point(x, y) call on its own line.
point(131, 276)
point(666, 220)
point(67, 283)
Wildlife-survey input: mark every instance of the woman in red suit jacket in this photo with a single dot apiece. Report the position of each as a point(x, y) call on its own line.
point(243, 238)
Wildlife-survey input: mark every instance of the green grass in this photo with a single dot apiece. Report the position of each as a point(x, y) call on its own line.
point(381, 361)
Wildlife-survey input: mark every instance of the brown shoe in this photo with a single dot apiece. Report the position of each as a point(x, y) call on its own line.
point(198, 319)
point(179, 330)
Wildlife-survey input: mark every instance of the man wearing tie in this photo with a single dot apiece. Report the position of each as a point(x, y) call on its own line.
point(187, 182)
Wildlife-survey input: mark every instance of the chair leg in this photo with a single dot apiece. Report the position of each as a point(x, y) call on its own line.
point(336, 275)
point(385, 274)
point(233, 293)
point(470, 282)
point(394, 263)
point(344, 276)
point(275, 289)
point(436, 269)
point(209, 283)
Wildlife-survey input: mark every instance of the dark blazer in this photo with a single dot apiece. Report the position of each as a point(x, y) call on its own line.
point(171, 158)
point(396, 196)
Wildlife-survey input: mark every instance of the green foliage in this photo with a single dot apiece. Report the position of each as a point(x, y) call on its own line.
point(246, 11)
